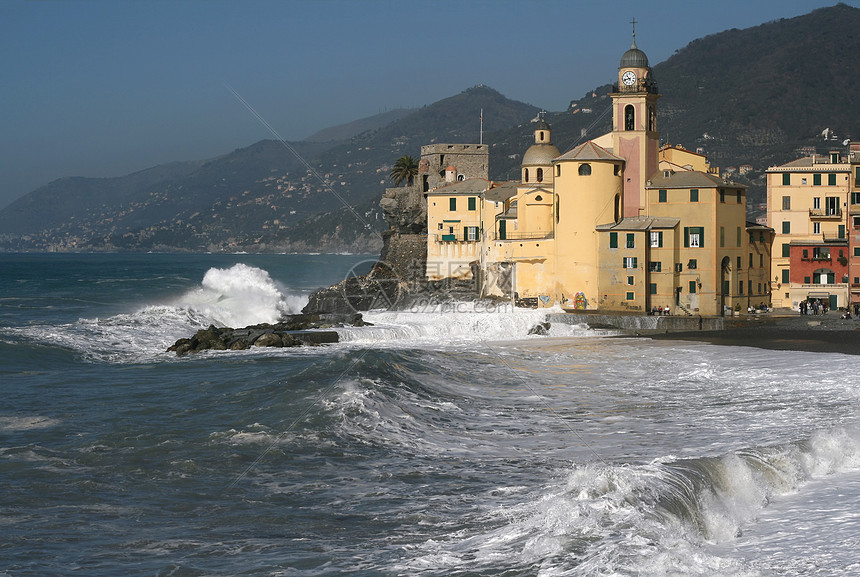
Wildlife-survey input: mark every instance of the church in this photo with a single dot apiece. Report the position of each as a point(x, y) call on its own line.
point(619, 223)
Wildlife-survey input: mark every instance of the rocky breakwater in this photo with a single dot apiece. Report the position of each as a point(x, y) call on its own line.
point(292, 331)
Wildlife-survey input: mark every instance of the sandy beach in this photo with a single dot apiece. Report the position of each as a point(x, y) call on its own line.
point(783, 329)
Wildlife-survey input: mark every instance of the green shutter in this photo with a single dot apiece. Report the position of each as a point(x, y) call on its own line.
point(786, 178)
point(661, 195)
point(841, 231)
point(694, 195)
point(786, 227)
point(687, 236)
point(613, 240)
point(701, 231)
point(635, 262)
point(631, 240)
point(816, 179)
point(502, 230)
point(452, 203)
point(785, 276)
point(653, 288)
point(472, 203)
point(692, 287)
point(786, 250)
point(831, 179)
point(660, 239)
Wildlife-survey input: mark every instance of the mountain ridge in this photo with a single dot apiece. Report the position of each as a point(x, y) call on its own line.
point(740, 110)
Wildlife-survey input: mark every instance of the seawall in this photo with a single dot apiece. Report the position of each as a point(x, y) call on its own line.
point(641, 324)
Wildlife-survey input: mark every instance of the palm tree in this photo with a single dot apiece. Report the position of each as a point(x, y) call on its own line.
point(405, 169)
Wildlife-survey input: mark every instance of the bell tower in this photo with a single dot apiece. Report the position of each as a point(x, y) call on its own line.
point(634, 125)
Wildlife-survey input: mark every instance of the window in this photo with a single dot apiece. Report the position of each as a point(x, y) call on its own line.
point(786, 179)
point(661, 195)
point(831, 179)
point(722, 196)
point(692, 264)
point(613, 240)
point(694, 195)
point(786, 227)
point(629, 117)
point(525, 175)
point(786, 250)
point(816, 179)
point(832, 205)
point(802, 181)
point(816, 202)
point(857, 251)
point(740, 197)
point(694, 236)
point(630, 262)
point(655, 266)
point(656, 238)
point(540, 175)
point(738, 237)
point(452, 204)
point(472, 203)
point(760, 260)
point(558, 170)
point(692, 287)
point(630, 296)
point(751, 261)
point(722, 236)
point(740, 287)
point(855, 198)
point(585, 169)
point(631, 240)
point(538, 198)
point(816, 228)
point(855, 221)
point(471, 233)
point(785, 275)
point(616, 170)
point(805, 254)
point(630, 280)
point(653, 288)
point(739, 263)
point(841, 231)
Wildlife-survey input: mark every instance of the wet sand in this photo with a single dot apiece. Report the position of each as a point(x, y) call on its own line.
point(782, 330)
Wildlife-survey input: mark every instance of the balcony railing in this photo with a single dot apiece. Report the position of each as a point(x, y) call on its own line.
point(453, 238)
point(825, 213)
point(517, 235)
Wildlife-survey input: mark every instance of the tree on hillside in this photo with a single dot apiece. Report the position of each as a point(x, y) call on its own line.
point(405, 169)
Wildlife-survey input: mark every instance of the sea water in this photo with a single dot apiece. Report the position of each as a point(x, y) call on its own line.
point(438, 441)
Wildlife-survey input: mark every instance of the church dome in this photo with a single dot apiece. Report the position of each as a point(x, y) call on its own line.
point(634, 58)
point(540, 155)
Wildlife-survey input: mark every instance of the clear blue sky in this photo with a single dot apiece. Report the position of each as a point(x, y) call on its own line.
point(108, 87)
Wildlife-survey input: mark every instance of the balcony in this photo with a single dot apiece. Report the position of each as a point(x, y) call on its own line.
point(517, 235)
point(825, 213)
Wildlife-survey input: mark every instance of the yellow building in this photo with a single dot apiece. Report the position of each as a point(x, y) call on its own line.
point(618, 223)
point(814, 208)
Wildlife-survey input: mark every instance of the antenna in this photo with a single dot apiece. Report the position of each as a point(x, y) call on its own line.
point(482, 127)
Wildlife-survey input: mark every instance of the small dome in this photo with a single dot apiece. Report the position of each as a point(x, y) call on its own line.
point(634, 58)
point(542, 125)
point(540, 155)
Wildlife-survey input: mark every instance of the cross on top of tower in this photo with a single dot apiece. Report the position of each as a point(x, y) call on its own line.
point(633, 22)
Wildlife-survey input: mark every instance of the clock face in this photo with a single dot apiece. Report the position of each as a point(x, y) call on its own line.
point(628, 78)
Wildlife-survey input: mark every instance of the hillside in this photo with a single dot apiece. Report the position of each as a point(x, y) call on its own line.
point(754, 96)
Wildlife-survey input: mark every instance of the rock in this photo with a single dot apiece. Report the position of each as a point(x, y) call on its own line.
point(540, 329)
point(269, 340)
point(292, 331)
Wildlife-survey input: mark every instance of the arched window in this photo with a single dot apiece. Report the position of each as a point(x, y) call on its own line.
point(525, 175)
point(540, 175)
point(652, 119)
point(617, 207)
point(585, 169)
point(541, 136)
point(629, 117)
